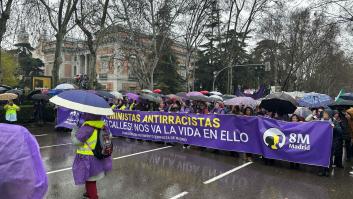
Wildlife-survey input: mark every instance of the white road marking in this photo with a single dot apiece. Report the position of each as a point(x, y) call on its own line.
point(60, 170)
point(179, 195)
point(40, 135)
point(227, 173)
point(50, 146)
point(125, 156)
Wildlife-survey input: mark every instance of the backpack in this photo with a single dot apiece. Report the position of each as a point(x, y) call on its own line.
point(104, 146)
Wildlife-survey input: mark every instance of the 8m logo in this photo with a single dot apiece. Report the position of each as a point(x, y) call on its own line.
point(299, 141)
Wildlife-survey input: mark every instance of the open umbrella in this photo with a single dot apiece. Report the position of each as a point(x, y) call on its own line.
point(132, 96)
point(82, 101)
point(341, 104)
point(216, 93)
point(226, 97)
point(158, 91)
point(296, 94)
point(204, 92)
point(315, 100)
point(279, 102)
point(117, 95)
point(15, 91)
point(8, 96)
point(53, 92)
point(303, 112)
point(65, 87)
point(194, 93)
point(200, 98)
point(347, 96)
point(146, 91)
point(104, 94)
point(151, 97)
point(3, 89)
point(183, 95)
point(216, 98)
point(41, 97)
point(241, 101)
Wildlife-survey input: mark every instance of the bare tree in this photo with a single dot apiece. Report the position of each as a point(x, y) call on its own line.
point(5, 11)
point(147, 33)
point(241, 15)
point(193, 24)
point(91, 18)
point(59, 14)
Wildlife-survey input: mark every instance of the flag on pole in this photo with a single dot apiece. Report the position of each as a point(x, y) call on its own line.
point(339, 95)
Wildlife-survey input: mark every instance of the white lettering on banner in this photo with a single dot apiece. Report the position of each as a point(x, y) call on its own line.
point(299, 141)
point(156, 129)
point(171, 130)
point(141, 128)
point(189, 131)
point(234, 136)
point(210, 134)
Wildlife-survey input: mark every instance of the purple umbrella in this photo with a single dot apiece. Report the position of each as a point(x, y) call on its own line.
point(133, 96)
point(82, 101)
point(241, 101)
point(194, 93)
point(21, 167)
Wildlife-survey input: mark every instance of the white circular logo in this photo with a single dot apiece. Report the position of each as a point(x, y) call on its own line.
point(274, 138)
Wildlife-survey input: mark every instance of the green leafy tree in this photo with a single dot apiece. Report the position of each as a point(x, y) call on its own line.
point(8, 67)
point(28, 66)
point(166, 74)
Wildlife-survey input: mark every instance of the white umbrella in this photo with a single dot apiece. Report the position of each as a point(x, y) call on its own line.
point(117, 95)
point(65, 87)
point(216, 98)
point(296, 94)
point(216, 93)
point(146, 91)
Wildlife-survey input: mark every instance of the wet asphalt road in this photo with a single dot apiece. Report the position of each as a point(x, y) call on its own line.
point(146, 170)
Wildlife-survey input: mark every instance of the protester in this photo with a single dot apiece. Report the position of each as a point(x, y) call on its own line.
point(87, 169)
point(39, 108)
point(337, 142)
point(325, 116)
point(218, 108)
point(295, 118)
point(11, 112)
point(248, 112)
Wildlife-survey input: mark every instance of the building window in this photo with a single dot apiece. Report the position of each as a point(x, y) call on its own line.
point(104, 64)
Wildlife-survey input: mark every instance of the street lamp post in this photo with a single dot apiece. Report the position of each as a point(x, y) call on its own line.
point(216, 73)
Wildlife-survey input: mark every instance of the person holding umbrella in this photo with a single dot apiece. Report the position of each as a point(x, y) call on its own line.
point(89, 165)
point(11, 111)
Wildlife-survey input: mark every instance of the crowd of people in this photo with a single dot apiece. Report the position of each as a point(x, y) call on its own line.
point(341, 121)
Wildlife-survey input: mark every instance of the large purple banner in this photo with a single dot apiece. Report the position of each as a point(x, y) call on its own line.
point(305, 143)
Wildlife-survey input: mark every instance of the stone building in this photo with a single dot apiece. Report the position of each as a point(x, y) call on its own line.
point(112, 72)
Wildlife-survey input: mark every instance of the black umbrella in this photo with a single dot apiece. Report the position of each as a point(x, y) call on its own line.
point(202, 98)
point(40, 97)
point(341, 104)
point(105, 94)
point(347, 96)
point(279, 103)
point(7, 87)
point(3, 89)
point(33, 93)
point(15, 91)
point(151, 97)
